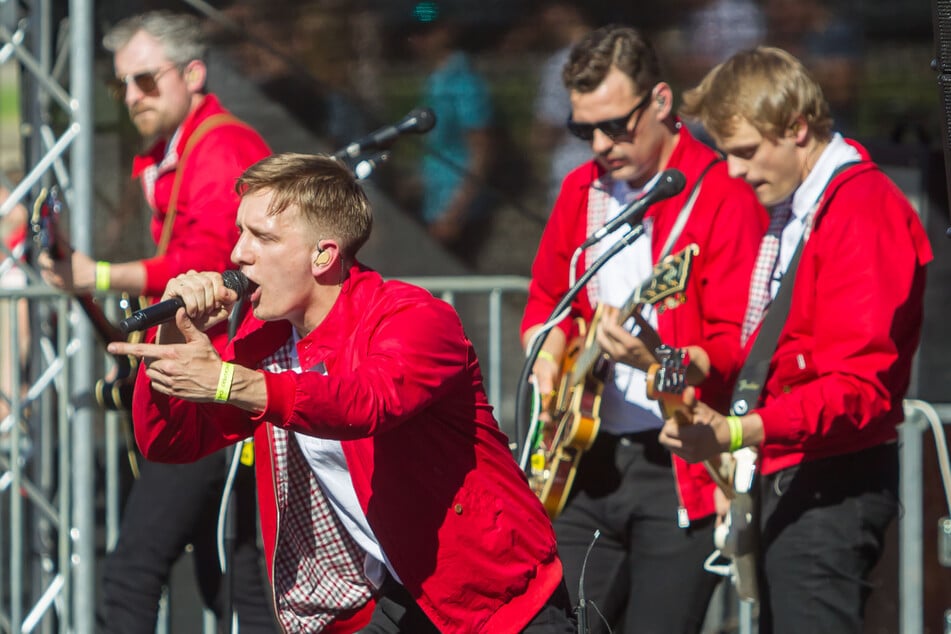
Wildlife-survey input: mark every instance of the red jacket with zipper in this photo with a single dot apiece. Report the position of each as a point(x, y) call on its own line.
point(843, 359)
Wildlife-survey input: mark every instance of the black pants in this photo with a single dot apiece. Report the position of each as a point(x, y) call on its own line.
point(397, 613)
point(168, 507)
point(644, 574)
point(823, 525)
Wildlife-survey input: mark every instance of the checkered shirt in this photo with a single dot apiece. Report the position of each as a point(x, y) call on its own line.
point(760, 296)
point(318, 567)
point(151, 173)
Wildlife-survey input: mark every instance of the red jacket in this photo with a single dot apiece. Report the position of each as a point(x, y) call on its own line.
point(430, 467)
point(204, 231)
point(727, 224)
point(843, 360)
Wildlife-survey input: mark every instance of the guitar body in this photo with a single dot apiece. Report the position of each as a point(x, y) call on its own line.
point(575, 426)
point(574, 420)
point(737, 538)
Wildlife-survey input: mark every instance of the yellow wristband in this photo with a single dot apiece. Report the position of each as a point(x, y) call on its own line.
point(736, 432)
point(547, 356)
point(224, 382)
point(103, 276)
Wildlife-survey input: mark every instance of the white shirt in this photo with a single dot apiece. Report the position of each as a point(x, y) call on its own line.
point(805, 198)
point(327, 461)
point(625, 407)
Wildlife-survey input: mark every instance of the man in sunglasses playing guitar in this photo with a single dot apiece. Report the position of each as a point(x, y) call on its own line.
point(656, 517)
point(197, 150)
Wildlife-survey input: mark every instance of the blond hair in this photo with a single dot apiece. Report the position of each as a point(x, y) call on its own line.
point(323, 190)
point(767, 87)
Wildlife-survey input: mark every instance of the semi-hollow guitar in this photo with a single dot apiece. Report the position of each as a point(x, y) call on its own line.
point(574, 413)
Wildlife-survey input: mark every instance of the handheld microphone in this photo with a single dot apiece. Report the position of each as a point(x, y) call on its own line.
point(668, 183)
point(418, 121)
point(165, 310)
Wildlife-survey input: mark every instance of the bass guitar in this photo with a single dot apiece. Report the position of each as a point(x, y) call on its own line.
point(574, 413)
point(735, 538)
point(114, 393)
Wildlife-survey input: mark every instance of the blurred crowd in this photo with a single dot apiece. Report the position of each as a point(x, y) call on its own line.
point(491, 71)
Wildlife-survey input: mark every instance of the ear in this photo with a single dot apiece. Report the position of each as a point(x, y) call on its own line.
point(799, 130)
point(195, 74)
point(324, 255)
point(663, 96)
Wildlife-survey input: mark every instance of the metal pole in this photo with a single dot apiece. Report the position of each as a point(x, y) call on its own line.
point(910, 547)
point(82, 366)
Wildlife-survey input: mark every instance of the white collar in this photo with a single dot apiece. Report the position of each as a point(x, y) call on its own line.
point(836, 154)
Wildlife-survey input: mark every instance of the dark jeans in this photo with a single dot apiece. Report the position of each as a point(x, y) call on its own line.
point(823, 526)
point(168, 507)
point(397, 613)
point(644, 574)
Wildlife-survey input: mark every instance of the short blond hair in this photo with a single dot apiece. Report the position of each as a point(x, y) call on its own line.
point(321, 188)
point(767, 87)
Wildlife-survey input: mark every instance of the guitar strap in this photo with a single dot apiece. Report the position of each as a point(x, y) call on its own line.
point(206, 126)
point(685, 212)
point(752, 378)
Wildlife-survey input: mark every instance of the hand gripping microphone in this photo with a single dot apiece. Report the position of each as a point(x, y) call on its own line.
point(165, 310)
point(668, 183)
point(418, 121)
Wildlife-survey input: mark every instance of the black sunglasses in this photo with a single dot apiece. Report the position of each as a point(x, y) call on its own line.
point(146, 81)
point(614, 128)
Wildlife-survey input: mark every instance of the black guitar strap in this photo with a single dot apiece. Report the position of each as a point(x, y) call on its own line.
point(752, 378)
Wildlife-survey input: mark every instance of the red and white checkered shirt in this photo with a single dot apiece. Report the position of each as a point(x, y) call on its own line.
point(760, 283)
point(318, 567)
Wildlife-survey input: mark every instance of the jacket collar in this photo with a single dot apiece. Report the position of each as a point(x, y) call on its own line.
point(255, 339)
point(156, 154)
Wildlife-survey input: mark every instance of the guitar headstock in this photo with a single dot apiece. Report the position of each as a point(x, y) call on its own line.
point(47, 209)
point(669, 375)
point(669, 279)
point(666, 286)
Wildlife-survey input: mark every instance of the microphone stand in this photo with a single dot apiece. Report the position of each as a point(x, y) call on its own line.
point(536, 346)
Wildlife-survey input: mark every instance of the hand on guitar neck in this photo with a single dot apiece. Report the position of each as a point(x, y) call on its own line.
point(60, 266)
point(696, 432)
point(667, 383)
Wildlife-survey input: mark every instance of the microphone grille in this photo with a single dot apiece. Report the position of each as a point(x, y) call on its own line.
point(425, 120)
point(236, 281)
point(675, 180)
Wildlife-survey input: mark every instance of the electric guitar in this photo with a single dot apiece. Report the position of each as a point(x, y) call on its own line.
point(735, 538)
point(115, 393)
point(575, 418)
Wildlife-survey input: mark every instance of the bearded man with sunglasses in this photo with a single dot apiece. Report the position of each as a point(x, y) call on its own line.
point(196, 152)
point(655, 514)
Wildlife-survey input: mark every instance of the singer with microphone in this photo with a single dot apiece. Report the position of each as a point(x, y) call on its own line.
point(382, 473)
point(648, 174)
